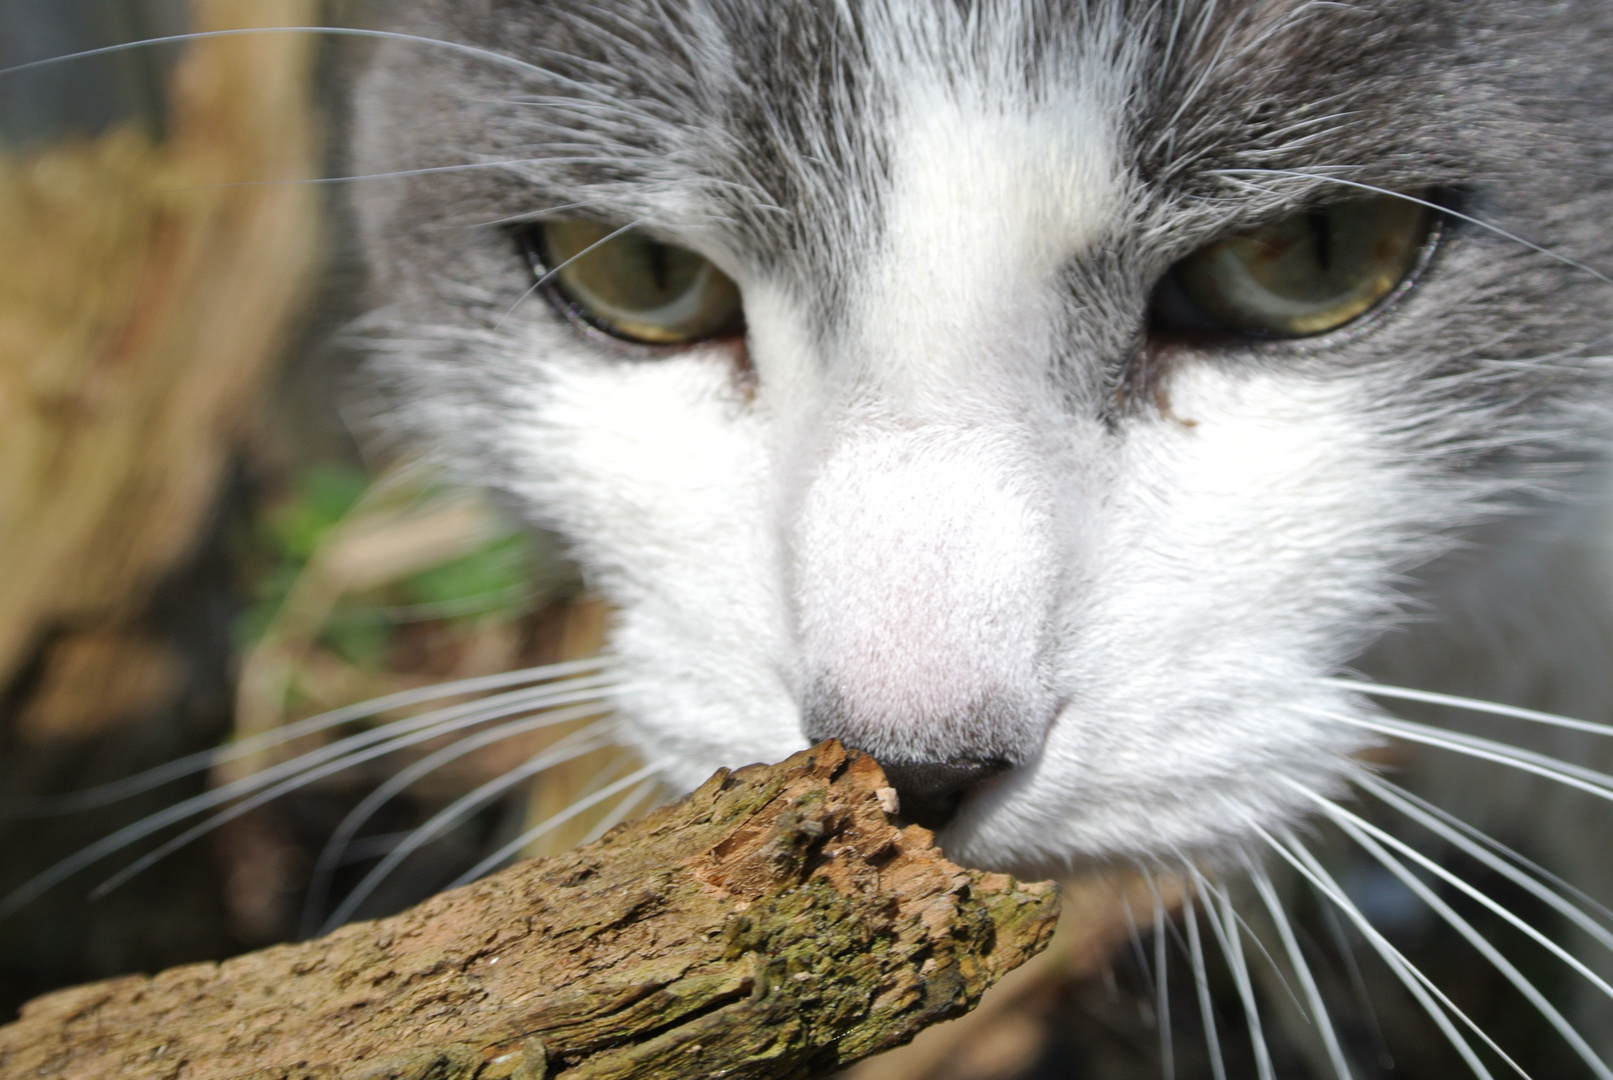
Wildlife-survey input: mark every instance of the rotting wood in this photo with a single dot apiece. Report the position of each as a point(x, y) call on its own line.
point(774, 924)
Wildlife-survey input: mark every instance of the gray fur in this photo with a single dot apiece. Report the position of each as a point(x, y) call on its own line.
point(764, 135)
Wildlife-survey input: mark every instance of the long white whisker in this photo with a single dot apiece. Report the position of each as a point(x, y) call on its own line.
point(90, 798)
point(336, 758)
point(1358, 985)
point(1225, 927)
point(1137, 951)
point(1201, 981)
point(1474, 843)
point(496, 58)
point(1429, 996)
point(622, 810)
point(1167, 1053)
point(606, 774)
point(399, 174)
point(1471, 704)
point(1494, 229)
point(1575, 776)
point(1222, 896)
point(550, 271)
point(572, 746)
point(269, 795)
point(1367, 836)
point(514, 846)
point(330, 857)
point(1302, 971)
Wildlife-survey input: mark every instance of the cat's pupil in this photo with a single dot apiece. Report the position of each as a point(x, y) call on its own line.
point(1321, 237)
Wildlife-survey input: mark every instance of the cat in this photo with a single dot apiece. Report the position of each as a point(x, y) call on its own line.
point(1079, 382)
point(1052, 399)
point(1061, 400)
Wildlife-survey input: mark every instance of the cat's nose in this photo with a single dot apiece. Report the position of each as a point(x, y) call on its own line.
point(930, 791)
point(933, 759)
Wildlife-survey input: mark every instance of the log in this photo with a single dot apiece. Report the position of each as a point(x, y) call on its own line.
point(776, 923)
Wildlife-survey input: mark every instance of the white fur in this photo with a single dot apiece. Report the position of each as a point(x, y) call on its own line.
point(909, 513)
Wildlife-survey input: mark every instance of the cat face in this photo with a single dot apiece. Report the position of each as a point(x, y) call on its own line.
point(988, 477)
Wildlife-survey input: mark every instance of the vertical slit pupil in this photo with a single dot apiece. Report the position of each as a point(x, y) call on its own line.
point(1321, 237)
point(658, 265)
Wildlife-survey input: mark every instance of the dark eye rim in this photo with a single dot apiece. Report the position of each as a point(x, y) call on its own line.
point(528, 238)
point(1206, 333)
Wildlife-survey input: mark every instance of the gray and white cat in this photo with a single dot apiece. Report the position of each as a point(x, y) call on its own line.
point(1046, 397)
point(1054, 398)
point(1051, 397)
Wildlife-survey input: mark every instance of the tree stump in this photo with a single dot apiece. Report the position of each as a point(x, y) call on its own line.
point(774, 924)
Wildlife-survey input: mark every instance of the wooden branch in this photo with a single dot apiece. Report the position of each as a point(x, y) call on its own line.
point(774, 924)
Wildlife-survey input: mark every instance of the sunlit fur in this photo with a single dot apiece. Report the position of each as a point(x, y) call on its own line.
point(948, 499)
point(952, 498)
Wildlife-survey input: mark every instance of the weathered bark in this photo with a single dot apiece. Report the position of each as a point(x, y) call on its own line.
point(773, 924)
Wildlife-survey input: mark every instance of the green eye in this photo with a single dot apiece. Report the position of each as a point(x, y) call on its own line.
point(1306, 274)
point(633, 286)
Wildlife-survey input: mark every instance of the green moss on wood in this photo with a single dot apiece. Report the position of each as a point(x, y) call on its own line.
point(775, 924)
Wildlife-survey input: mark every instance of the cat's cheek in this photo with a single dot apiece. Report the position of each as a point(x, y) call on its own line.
point(1245, 542)
point(658, 473)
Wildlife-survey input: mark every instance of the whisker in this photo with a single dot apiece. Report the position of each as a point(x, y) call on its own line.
point(496, 58)
point(210, 824)
point(1368, 835)
point(399, 174)
point(105, 794)
point(605, 774)
point(1224, 897)
point(1575, 776)
point(550, 272)
point(1167, 1054)
point(301, 771)
point(331, 856)
point(1201, 981)
point(1452, 829)
point(1358, 986)
point(525, 217)
point(1138, 953)
point(1227, 933)
point(1302, 971)
point(514, 846)
point(622, 810)
point(1494, 229)
point(1472, 704)
point(1347, 820)
point(572, 746)
point(1429, 996)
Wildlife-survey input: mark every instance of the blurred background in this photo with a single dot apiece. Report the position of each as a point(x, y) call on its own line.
point(196, 552)
point(194, 548)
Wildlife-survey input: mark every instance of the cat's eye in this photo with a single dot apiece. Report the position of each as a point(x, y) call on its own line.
point(1306, 274)
point(633, 286)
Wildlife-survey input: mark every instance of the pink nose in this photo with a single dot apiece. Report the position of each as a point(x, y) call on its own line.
point(926, 573)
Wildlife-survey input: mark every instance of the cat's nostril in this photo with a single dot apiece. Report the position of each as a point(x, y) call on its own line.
point(929, 791)
point(932, 778)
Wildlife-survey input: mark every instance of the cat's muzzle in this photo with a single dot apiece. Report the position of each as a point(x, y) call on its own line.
point(929, 792)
